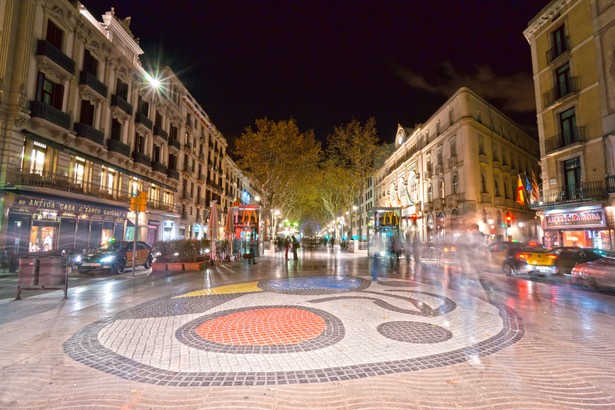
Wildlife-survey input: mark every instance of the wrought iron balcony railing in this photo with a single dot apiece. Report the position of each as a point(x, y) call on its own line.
point(119, 147)
point(89, 132)
point(94, 83)
point(141, 118)
point(45, 48)
point(117, 101)
point(554, 94)
point(584, 191)
point(161, 133)
point(47, 112)
point(569, 137)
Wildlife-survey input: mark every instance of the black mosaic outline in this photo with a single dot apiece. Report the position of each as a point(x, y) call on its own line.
point(422, 308)
point(84, 347)
point(399, 283)
point(333, 333)
point(263, 284)
point(404, 331)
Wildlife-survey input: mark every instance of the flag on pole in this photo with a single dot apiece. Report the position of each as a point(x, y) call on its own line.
point(520, 194)
point(535, 189)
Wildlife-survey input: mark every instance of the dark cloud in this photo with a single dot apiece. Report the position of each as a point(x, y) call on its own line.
point(513, 92)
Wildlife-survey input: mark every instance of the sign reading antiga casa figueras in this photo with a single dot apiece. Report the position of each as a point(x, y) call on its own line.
point(68, 207)
point(593, 218)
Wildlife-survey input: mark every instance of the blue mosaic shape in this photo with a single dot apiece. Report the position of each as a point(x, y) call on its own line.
point(314, 285)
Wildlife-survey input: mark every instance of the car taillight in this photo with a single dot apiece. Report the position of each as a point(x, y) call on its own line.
point(551, 256)
point(522, 255)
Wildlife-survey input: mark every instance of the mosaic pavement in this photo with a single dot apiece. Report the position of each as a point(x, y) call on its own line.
point(298, 330)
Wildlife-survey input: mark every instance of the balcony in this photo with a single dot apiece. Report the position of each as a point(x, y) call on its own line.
point(60, 182)
point(91, 81)
point(187, 170)
point(47, 112)
point(202, 158)
point(557, 93)
point(160, 206)
point(158, 167)
point(555, 52)
point(90, 133)
point(610, 184)
point(201, 178)
point(452, 162)
point(48, 50)
point(173, 174)
point(160, 133)
point(141, 118)
point(114, 145)
point(173, 142)
point(122, 104)
point(570, 137)
point(141, 158)
point(585, 191)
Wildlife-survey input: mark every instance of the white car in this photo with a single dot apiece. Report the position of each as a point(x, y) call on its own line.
point(595, 274)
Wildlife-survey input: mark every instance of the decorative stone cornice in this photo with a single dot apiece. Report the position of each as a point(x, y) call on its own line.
point(545, 17)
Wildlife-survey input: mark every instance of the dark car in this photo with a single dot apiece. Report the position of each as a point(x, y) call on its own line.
point(116, 257)
point(569, 256)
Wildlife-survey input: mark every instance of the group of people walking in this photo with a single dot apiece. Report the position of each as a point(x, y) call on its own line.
point(411, 249)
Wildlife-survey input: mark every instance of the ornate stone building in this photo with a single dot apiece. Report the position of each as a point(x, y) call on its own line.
point(572, 59)
point(84, 127)
point(461, 167)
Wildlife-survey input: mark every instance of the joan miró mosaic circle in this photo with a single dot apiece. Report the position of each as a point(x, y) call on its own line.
point(298, 330)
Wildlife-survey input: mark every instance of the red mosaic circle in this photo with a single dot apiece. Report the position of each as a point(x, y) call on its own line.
point(266, 326)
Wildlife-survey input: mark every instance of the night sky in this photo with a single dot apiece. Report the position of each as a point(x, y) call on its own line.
point(327, 62)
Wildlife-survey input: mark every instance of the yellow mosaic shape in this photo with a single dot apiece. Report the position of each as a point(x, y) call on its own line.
point(250, 287)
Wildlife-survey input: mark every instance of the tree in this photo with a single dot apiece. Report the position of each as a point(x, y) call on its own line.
point(282, 159)
point(351, 151)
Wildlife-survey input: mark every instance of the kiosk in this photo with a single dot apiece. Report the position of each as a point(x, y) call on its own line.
point(383, 228)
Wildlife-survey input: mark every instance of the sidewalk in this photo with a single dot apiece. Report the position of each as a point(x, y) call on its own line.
point(316, 333)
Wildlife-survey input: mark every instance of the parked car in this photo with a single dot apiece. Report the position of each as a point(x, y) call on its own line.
point(116, 257)
point(568, 256)
point(596, 273)
point(522, 258)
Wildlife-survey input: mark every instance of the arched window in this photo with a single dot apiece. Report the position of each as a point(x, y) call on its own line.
point(483, 183)
point(429, 194)
point(497, 187)
point(441, 188)
point(506, 191)
point(455, 184)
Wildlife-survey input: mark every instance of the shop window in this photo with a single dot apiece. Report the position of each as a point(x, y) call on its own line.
point(108, 180)
point(37, 158)
point(42, 239)
point(79, 169)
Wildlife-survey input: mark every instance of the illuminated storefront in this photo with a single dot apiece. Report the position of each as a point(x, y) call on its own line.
point(49, 224)
point(578, 227)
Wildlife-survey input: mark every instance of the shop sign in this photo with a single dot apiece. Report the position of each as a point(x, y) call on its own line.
point(247, 215)
point(388, 219)
point(584, 218)
point(65, 208)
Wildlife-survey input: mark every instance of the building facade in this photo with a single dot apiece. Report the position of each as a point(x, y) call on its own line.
point(84, 127)
point(572, 49)
point(460, 168)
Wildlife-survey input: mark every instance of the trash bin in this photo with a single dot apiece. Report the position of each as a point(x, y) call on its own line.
point(52, 271)
point(28, 272)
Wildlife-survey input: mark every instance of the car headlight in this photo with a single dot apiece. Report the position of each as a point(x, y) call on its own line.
point(107, 259)
point(78, 259)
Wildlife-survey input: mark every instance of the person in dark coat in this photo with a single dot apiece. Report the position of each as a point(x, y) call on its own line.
point(295, 245)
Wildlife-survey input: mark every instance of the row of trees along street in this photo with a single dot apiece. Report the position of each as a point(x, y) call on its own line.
point(307, 182)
